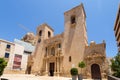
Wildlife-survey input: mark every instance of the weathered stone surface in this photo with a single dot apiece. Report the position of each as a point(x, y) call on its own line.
point(56, 55)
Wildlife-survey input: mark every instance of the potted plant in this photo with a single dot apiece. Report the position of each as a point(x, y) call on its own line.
point(74, 73)
point(3, 64)
point(81, 65)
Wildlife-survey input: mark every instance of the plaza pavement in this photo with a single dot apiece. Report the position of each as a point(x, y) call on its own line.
point(33, 77)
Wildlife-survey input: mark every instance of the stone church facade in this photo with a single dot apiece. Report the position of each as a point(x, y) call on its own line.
point(56, 55)
point(95, 60)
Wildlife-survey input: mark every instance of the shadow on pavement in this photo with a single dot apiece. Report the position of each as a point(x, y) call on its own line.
point(4, 79)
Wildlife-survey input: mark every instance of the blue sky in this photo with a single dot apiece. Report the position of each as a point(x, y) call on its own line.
point(101, 15)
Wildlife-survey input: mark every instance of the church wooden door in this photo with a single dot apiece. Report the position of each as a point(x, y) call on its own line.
point(52, 69)
point(95, 71)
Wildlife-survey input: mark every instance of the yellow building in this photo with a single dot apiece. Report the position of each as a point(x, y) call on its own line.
point(6, 51)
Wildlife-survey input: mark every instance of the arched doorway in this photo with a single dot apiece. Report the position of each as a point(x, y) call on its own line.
point(28, 70)
point(95, 71)
point(51, 70)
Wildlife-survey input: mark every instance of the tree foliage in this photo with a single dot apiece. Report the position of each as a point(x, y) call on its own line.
point(81, 64)
point(115, 66)
point(3, 64)
point(74, 71)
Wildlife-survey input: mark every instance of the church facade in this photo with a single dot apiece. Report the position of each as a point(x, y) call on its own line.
point(56, 55)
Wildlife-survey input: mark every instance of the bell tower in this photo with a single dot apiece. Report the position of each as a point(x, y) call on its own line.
point(44, 32)
point(75, 35)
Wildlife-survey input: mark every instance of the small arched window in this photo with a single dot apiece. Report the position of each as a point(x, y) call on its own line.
point(70, 59)
point(73, 19)
point(49, 34)
point(46, 50)
point(59, 45)
point(39, 40)
point(53, 51)
point(40, 33)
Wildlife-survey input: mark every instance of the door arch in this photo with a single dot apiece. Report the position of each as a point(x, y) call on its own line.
point(95, 71)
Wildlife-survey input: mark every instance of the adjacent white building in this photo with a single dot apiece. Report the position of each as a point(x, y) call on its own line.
point(16, 54)
point(28, 51)
point(7, 51)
